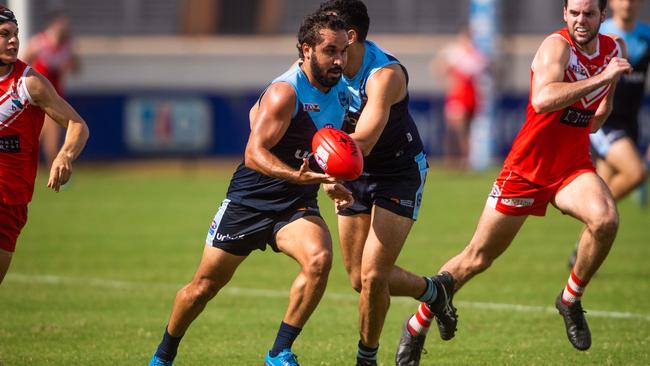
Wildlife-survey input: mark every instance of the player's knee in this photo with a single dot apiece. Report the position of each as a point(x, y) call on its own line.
point(374, 280)
point(355, 281)
point(481, 262)
point(354, 276)
point(606, 224)
point(202, 291)
point(476, 260)
point(319, 265)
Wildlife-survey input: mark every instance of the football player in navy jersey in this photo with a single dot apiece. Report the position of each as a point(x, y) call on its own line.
point(620, 160)
point(271, 199)
point(387, 197)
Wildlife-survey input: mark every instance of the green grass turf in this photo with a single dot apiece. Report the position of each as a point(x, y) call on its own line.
point(98, 265)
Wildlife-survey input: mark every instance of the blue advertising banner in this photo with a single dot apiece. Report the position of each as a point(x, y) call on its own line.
point(168, 125)
point(154, 124)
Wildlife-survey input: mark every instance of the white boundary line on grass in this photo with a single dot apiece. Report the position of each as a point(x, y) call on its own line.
point(252, 292)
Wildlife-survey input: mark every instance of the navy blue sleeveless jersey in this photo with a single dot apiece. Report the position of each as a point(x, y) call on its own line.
point(631, 87)
point(400, 142)
point(314, 109)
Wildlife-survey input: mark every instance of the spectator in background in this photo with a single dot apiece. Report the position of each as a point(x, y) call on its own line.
point(51, 53)
point(461, 63)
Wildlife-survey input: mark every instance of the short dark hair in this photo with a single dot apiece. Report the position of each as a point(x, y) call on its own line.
point(6, 15)
point(311, 26)
point(602, 4)
point(353, 12)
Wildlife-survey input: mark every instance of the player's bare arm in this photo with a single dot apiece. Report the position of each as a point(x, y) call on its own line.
point(550, 92)
point(272, 119)
point(607, 105)
point(252, 114)
point(46, 98)
point(385, 88)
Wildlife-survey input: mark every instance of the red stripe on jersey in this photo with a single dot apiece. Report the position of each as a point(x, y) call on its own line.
point(11, 118)
point(6, 95)
point(553, 144)
point(18, 168)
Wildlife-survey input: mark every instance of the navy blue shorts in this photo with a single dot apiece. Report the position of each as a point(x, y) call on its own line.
point(399, 193)
point(603, 139)
point(239, 230)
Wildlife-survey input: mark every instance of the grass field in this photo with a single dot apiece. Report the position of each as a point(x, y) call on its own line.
point(98, 265)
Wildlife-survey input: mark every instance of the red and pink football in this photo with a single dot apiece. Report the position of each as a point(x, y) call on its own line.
point(337, 153)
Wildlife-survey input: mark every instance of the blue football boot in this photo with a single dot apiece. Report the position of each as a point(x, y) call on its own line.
point(284, 358)
point(155, 361)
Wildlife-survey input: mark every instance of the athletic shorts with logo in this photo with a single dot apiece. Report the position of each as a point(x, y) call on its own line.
point(514, 195)
point(239, 229)
point(399, 192)
point(12, 221)
point(603, 139)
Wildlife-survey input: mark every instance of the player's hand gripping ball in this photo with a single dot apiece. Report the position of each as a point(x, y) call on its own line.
point(337, 153)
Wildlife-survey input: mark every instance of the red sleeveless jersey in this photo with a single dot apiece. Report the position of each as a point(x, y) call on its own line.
point(551, 145)
point(20, 127)
point(51, 60)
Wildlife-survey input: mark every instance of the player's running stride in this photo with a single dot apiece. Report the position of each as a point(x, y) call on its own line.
point(573, 76)
point(272, 196)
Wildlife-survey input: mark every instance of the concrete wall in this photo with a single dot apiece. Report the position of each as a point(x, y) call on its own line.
point(243, 63)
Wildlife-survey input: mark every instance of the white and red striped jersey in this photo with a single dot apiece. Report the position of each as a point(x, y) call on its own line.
point(552, 144)
point(52, 60)
point(20, 127)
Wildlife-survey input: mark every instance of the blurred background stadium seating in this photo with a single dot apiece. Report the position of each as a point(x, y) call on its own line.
point(177, 77)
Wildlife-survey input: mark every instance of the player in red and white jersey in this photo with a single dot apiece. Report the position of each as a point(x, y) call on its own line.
point(25, 97)
point(51, 53)
point(573, 75)
point(555, 141)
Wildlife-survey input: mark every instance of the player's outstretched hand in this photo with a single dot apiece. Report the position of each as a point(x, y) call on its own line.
point(308, 176)
point(341, 196)
point(617, 66)
point(60, 172)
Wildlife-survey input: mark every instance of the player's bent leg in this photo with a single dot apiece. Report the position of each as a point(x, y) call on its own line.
point(493, 235)
point(353, 232)
point(631, 171)
point(5, 261)
point(606, 171)
point(386, 238)
point(307, 240)
point(588, 199)
point(214, 272)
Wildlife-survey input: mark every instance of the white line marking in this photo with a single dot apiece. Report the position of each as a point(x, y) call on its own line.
point(252, 292)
